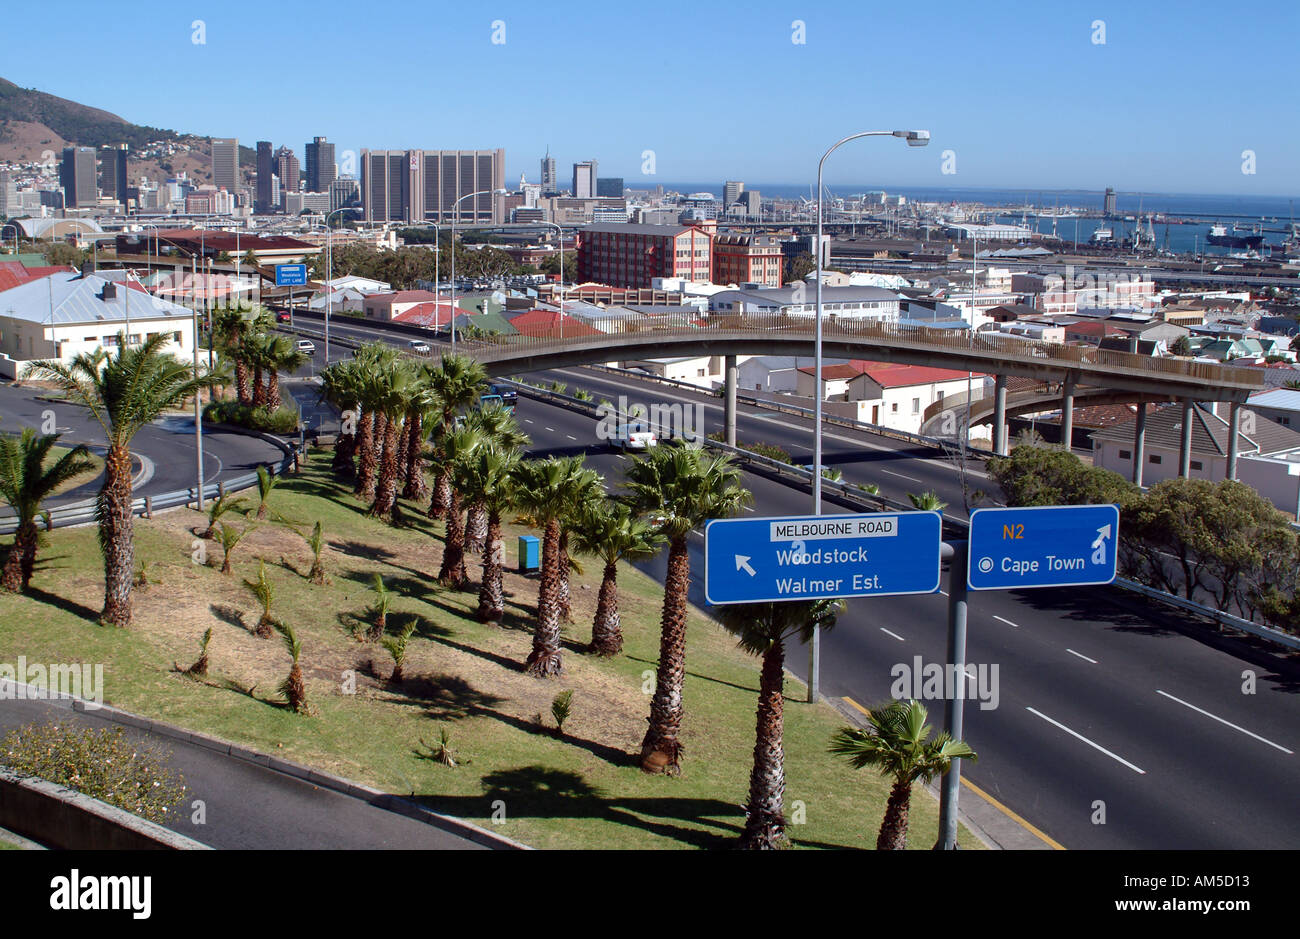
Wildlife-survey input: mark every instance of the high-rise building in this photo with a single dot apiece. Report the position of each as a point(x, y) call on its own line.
point(424, 185)
point(584, 180)
point(548, 173)
point(265, 203)
point(610, 187)
point(344, 192)
point(77, 174)
point(1109, 205)
point(752, 200)
point(112, 172)
point(225, 163)
point(8, 193)
point(321, 168)
point(286, 163)
point(731, 192)
point(634, 255)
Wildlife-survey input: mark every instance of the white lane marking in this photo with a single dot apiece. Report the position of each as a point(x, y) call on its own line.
point(944, 592)
point(1082, 656)
point(895, 635)
point(1095, 746)
point(1222, 721)
point(1007, 621)
point(900, 475)
point(527, 421)
point(748, 508)
point(551, 429)
point(571, 437)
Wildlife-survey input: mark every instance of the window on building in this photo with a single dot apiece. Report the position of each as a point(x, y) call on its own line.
point(1155, 458)
point(1196, 464)
point(1125, 455)
point(893, 408)
point(176, 338)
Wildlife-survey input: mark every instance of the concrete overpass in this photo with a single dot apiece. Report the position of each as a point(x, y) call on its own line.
point(1099, 375)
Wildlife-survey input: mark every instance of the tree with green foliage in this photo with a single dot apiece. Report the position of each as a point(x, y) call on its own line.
point(898, 744)
point(762, 629)
point(487, 480)
point(610, 531)
point(26, 481)
point(123, 391)
point(1032, 475)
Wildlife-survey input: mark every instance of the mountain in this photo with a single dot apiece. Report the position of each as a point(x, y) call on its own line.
point(25, 113)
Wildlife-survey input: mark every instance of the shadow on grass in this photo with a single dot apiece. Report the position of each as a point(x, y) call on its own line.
point(654, 663)
point(230, 615)
point(62, 603)
point(358, 549)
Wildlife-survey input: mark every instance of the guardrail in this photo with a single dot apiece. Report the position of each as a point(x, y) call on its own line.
point(850, 493)
point(145, 506)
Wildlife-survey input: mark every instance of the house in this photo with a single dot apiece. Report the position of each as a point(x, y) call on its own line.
point(1091, 332)
point(707, 371)
point(389, 306)
point(887, 393)
point(61, 315)
point(431, 315)
point(1281, 405)
point(770, 373)
point(801, 300)
point(1268, 453)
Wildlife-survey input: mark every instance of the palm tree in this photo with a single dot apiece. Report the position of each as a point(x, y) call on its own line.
point(294, 688)
point(683, 488)
point(486, 479)
point(225, 502)
point(370, 360)
point(25, 482)
point(123, 391)
point(898, 744)
point(231, 327)
point(543, 490)
point(612, 533)
point(927, 501)
point(498, 427)
point(457, 448)
point(762, 629)
point(279, 354)
point(421, 402)
point(389, 397)
point(341, 385)
point(457, 383)
point(585, 490)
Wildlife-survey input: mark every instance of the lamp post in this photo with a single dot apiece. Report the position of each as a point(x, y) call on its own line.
point(560, 231)
point(914, 138)
point(451, 313)
point(329, 277)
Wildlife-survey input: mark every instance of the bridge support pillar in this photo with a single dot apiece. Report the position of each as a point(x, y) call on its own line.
point(1000, 416)
point(1234, 428)
point(1067, 414)
point(1139, 443)
point(1185, 446)
point(729, 397)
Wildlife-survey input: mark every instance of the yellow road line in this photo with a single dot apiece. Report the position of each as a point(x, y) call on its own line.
point(1047, 839)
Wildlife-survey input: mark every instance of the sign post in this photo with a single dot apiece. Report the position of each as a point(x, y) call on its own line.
point(757, 560)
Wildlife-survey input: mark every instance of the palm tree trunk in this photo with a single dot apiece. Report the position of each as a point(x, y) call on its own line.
point(416, 488)
point(475, 527)
point(765, 815)
point(491, 595)
point(27, 538)
point(565, 598)
point(403, 450)
point(386, 491)
point(606, 631)
point(441, 494)
point(242, 391)
point(545, 660)
point(365, 485)
point(12, 578)
point(273, 390)
point(259, 390)
point(452, 574)
point(661, 750)
point(893, 830)
point(344, 449)
point(115, 536)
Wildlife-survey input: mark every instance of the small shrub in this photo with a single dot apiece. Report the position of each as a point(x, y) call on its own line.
point(440, 751)
point(582, 394)
point(283, 421)
point(264, 591)
point(560, 709)
point(316, 541)
point(396, 646)
point(226, 502)
point(870, 489)
point(102, 764)
point(200, 667)
point(141, 580)
point(294, 688)
point(229, 536)
point(379, 609)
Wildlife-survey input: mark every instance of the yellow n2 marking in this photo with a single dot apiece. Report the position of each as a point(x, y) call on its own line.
point(1013, 532)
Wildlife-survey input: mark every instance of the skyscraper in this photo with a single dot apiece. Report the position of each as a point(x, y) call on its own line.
point(286, 162)
point(610, 187)
point(112, 172)
point(548, 173)
point(321, 169)
point(1109, 205)
point(731, 192)
point(265, 202)
point(77, 175)
point(225, 163)
point(584, 180)
point(423, 185)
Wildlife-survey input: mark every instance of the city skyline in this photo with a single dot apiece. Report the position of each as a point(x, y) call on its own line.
point(1013, 98)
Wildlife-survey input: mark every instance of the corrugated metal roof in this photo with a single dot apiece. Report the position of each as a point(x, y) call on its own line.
point(1286, 399)
point(70, 299)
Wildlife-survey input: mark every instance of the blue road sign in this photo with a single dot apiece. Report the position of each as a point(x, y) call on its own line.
point(754, 560)
point(1042, 546)
point(290, 275)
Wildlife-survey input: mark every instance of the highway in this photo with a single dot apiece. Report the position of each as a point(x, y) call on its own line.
point(1108, 707)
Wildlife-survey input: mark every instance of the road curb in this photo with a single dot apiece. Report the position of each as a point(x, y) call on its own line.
point(391, 802)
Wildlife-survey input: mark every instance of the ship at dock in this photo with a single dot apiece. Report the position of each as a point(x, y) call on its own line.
point(1221, 237)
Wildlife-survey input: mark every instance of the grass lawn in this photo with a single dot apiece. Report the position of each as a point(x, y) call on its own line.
point(584, 790)
point(56, 453)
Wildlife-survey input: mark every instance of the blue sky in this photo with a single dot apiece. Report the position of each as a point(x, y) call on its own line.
point(1018, 92)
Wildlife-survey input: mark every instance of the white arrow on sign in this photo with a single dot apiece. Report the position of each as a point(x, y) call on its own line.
point(1102, 534)
point(742, 564)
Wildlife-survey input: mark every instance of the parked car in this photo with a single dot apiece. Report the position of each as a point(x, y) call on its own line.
point(283, 317)
point(632, 437)
point(306, 345)
point(419, 347)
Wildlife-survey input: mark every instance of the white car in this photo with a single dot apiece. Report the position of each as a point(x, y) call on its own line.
point(631, 437)
point(306, 345)
point(419, 347)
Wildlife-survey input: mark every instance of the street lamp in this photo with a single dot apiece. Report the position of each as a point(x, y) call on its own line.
point(329, 278)
point(451, 313)
point(561, 234)
point(914, 138)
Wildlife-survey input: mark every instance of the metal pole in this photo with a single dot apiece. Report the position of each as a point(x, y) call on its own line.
point(1234, 428)
point(1139, 443)
point(1185, 448)
point(815, 641)
point(451, 293)
point(198, 413)
point(952, 717)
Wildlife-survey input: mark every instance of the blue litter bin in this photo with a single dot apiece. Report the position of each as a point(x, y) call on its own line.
point(530, 553)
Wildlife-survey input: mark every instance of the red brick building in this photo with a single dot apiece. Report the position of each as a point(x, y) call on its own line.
point(633, 255)
point(747, 259)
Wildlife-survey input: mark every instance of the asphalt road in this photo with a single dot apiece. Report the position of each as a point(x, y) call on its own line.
point(165, 449)
point(250, 806)
point(1103, 701)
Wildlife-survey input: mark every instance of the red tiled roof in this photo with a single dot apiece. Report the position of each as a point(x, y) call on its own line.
point(890, 375)
point(834, 372)
point(1093, 329)
point(544, 324)
point(14, 273)
point(430, 314)
point(405, 296)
